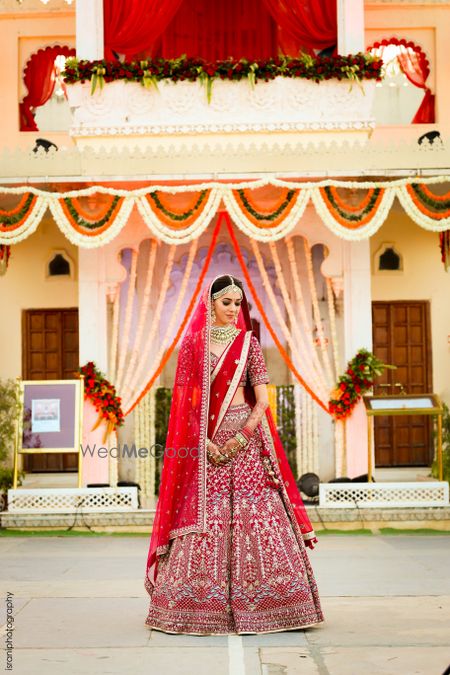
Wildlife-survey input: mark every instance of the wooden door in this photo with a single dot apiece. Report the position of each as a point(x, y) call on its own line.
point(50, 352)
point(401, 337)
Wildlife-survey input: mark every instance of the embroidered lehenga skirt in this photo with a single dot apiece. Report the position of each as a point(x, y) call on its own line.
point(250, 573)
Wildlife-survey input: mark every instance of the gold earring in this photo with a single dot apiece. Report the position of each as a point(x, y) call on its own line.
point(213, 315)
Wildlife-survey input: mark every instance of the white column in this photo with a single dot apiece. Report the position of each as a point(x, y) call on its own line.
point(93, 346)
point(357, 334)
point(89, 29)
point(92, 307)
point(350, 16)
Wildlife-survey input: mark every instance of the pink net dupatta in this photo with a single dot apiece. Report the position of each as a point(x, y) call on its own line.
point(181, 506)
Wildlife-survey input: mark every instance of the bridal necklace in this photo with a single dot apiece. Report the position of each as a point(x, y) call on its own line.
point(223, 334)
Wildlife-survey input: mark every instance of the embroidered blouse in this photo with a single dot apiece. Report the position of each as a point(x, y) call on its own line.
point(255, 369)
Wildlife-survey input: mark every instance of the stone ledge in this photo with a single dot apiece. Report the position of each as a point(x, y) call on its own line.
point(436, 518)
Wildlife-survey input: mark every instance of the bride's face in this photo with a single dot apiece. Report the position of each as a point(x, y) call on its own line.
point(227, 308)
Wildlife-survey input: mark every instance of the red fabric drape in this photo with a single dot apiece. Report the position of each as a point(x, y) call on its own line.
point(414, 63)
point(132, 26)
point(218, 30)
point(416, 68)
point(305, 25)
point(39, 78)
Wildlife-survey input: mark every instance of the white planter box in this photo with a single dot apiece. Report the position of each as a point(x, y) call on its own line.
point(181, 108)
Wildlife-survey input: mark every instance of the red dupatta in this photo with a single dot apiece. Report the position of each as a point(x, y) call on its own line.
point(196, 413)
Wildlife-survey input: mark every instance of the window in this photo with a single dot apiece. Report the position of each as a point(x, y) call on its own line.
point(403, 96)
point(59, 264)
point(45, 107)
point(388, 259)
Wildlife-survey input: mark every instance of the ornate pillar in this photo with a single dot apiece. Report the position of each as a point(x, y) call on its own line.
point(89, 29)
point(92, 317)
point(350, 15)
point(358, 333)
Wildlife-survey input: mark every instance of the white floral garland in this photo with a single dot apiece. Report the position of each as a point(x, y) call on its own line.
point(415, 214)
point(284, 329)
point(182, 236)
point(127, 319)
point(267, 234)
point(313, 359)
point(143, 314)
point(96, 240)
point(314, 377)
point(134, 377)
point(363, 232)
point(223, 191)
point(30, 225)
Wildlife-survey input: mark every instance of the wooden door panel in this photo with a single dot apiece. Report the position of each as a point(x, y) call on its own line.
point(401, 336)
point(50, 352)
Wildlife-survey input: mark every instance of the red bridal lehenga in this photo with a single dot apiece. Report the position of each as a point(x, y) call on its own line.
point(227, 553)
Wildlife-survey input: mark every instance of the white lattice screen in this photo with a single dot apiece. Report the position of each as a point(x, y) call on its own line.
point(64, 500)
point(378, 495)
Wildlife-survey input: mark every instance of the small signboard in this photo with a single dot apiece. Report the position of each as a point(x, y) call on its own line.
point(50, 419)
point(405, 404)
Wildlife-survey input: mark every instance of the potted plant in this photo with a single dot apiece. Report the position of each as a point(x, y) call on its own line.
point(445, 447)
point(9, 410)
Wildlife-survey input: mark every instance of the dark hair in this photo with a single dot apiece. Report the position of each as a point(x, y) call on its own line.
point(224, 281)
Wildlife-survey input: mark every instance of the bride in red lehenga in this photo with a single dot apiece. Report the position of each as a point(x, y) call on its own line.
point(228, 548)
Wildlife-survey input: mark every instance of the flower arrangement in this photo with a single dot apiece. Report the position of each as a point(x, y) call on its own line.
point(356, 381)
point(149, 72)
point(103, 395)
point(5, 254)
point(444, 245)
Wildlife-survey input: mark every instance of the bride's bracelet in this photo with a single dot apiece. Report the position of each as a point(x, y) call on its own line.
point(248, 433)
point(241, 439)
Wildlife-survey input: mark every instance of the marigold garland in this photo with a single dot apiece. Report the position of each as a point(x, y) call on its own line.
point(79, 221)
point(259, 217)
point(172, 217)
point(354, 383)
point(104, 398)
point(348, 207)
point(344, 215)
point(16, 216)
point(427, 203)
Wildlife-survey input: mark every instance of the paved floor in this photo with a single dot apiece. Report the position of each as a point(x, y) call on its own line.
point(79, 607)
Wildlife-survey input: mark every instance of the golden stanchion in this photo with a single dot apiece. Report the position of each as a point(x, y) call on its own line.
point(404, 404)
point(439, 447)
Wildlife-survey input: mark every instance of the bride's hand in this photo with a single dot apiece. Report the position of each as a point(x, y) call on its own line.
point(230, 448)
point(215, 455)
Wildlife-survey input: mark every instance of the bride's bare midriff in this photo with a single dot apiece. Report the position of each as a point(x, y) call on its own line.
point(238, 396)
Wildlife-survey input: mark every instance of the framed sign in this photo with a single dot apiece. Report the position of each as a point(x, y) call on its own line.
point(405, 404)
point(50, 418)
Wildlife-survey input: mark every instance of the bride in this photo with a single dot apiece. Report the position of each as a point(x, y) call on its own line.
point(228, 547)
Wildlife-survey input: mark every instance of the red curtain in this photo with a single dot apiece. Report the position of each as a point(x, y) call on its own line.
point(416, 68)
point(216, 30)
point(132, 26)
point(414, 64)
point(39, 77)
point(305, 25)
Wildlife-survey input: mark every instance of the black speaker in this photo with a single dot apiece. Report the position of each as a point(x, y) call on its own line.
point(309, 484)
point(363, 478)
point(343, 479)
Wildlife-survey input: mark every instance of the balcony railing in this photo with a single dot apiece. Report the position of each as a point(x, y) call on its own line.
point(189, 97)
point(282, 105)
